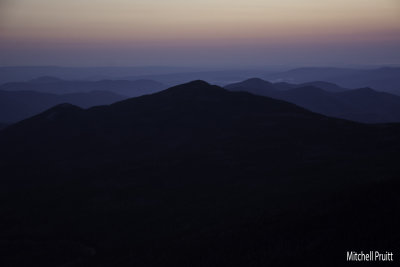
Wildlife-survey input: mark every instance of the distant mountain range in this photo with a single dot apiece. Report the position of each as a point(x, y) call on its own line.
point(18, 105)
point(382, 79)
point(362, 105)
point(195, 175)
point(26, 73)
point(23, 99)
point(327, 86)
point(20, 100)
point(48, 84)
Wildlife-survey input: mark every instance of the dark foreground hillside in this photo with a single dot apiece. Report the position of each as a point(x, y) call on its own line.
point(196, 176)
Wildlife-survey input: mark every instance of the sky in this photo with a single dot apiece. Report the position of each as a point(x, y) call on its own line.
point(199, 32)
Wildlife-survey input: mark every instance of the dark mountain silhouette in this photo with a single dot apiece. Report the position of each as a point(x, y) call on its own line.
point(381, 79)
point(18, 105)
point(57, 86)
point(362, 105)
point(3, 125)
point(257, 86)
point(197, 107)
point(195, 176)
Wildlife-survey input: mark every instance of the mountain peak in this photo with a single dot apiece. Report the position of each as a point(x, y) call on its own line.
point(65, 106)
point(197, 83)
point(255, 86)
point(193, 88)
point(60, 110)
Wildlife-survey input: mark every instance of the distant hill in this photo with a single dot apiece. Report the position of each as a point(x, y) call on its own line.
point(18, 105)
point(55, 85)
point(219, 77)
point(25, 73)
point(362, 105)
point(167, 75)
point(381, 79)
point(260, 84)
point(195, 175)
point(327, 86)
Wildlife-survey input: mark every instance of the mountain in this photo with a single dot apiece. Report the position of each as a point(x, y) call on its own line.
point(362, 105)
point(3, 125)
point(257, 84)
point(168, 75)
point(196, 109)
point(214, 76)
point(18, 105)
point(371, 106)
point(330, 87)
point(308, 74)
point(57, 86)
point(195, 175)
point(381, 79)
point(25, 73)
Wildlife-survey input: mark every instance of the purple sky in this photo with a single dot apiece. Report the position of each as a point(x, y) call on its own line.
point(199, 33)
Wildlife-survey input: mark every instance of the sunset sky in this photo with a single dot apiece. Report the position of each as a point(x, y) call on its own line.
point(199, 33)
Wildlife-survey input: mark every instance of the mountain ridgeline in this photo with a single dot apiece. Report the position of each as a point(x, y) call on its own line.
point(362, 105)
point(196, 175)
point(19, 105)
point(381, 79)
point(20, 100)
point(54, 85)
